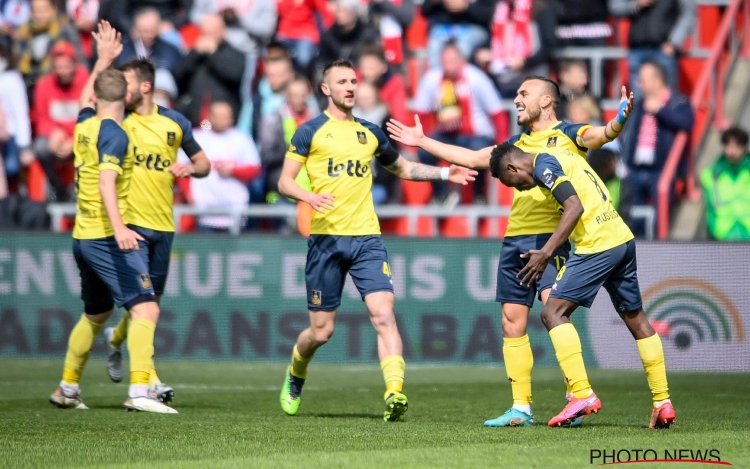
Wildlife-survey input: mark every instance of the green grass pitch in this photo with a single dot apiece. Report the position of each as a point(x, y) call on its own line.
point(230, 417)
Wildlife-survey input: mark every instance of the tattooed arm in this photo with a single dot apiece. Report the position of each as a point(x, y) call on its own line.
point(406, 169)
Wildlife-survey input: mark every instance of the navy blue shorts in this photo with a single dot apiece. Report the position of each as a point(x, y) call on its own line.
point(158, 251)
point(615, 269)
point(509, 288)
point(109, 275)
point(330, 257)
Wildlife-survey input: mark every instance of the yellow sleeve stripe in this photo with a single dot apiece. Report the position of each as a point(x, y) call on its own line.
point(111, 166)
point(583, 130)
point(296, 157)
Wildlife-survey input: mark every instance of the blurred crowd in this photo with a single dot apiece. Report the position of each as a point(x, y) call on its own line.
point(245, 73)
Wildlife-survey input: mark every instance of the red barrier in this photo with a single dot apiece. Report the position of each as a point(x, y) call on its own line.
point(707, 100)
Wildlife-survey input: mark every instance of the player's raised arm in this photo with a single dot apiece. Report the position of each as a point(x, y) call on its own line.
point(412, 171)
point(414, 136)
point(595, 137)
point(289, 187)
point(108, 48)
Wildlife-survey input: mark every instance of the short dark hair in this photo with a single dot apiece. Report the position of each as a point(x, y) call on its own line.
point(111, 86)
point(734, 134)
point(500, 156)
point(143, 69)
point(344, 63)
point(661, 71)
point(552, 87)
point(600, 159)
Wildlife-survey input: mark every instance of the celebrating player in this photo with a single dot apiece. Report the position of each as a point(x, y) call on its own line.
point(337, 150)
point(106, 251)
point(604, 255)
point(156, 134)
point(530, 223)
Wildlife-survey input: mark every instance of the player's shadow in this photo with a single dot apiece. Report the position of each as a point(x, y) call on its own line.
point(348, 415)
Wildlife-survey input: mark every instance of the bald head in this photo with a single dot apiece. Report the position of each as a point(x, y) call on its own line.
point(213, 26)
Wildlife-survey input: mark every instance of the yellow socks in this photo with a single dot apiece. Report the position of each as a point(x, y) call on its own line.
point(299, 364)
point(393, 372)
point(141, 350)
point(652, 356)
point(568, 351)
point(153, 378)
point(79, 347)
point(121, 331)
point(518, 364)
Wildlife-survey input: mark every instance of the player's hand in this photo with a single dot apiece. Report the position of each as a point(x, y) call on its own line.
point(401, 133)
point(534, 268)
point(461, 175)
point(321, 202)
point(108, 42)
point(180, 170)
point(127, 239)
point(628, 98)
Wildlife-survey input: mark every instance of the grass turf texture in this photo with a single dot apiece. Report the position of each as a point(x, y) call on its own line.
point(230, 417)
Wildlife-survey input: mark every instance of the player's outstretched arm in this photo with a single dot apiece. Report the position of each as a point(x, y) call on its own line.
point(595, 137)
point(108, 48)
point(126, 238)
point(288, 187)
point(415, 137)
point(406, 169)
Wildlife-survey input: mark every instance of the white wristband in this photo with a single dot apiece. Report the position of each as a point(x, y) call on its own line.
point(445, 173)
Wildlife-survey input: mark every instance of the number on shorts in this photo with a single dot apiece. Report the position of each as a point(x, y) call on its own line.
point(386, 269)
point(561, 273)
point(559, 262)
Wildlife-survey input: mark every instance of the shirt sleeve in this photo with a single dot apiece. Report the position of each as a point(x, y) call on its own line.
point(575, 133)
point(299, 147)
point(112, 146)
point(189, 145)
point(385, 152)
point(547, 171)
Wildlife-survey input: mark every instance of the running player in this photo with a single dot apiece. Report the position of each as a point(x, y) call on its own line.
point(337, 150)
point(604, 256)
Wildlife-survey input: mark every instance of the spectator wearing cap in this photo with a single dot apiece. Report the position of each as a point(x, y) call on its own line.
point(55, 112)
point(34, 40)
point(144, 42)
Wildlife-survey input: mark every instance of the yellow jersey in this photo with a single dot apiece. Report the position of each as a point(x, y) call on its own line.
point(528, 215)
point(337, 155)
point(99, 144)
point(154, 141)
point(600, 227)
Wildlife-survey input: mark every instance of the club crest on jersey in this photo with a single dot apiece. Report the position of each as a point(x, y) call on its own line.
point(551, 142)
point(361, 137)
point(171, 137)
point(317, 297)
point(145, 280)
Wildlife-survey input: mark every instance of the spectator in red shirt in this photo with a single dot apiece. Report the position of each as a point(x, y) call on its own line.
point(55, 111)
point(298, 28)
